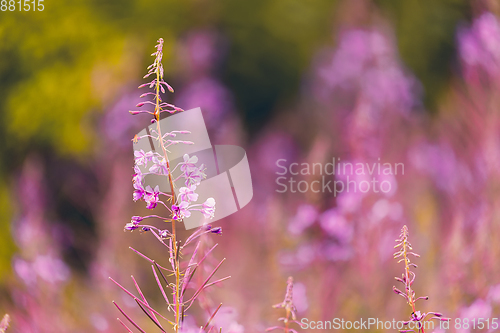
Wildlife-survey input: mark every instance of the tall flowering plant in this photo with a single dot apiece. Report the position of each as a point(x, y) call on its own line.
point(176, 280)
point(290, 310)
point(418, 319)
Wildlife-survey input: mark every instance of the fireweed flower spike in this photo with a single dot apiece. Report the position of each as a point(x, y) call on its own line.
point(417, 318)
point(175, 279)
point(4, 324)
point(290, 310)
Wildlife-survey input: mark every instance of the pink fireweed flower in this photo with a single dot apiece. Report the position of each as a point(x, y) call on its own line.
point(195, 176)
point(130, 226)
point(208, 208)
point(479, 46)
point(142, 158)
point(139, 191)
point(192, 173)
point(152, 196)
point(189, 163)
point(138, 176)
point(181, 210)
point(159, 167)
point(188, 194)
point(134, 223)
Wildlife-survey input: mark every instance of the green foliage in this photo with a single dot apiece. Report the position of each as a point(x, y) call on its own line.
point(55, 53)
point(7, 247)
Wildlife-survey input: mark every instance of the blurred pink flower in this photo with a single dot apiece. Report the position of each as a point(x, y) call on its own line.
point(366, 61)
point(478, 309)
point(227, 319)
point(303, 219)
point(50, 269)
point(335, 225)
point(479, 46)
point(494, 294)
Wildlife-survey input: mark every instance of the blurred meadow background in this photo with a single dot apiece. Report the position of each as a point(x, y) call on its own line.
point(413, 82)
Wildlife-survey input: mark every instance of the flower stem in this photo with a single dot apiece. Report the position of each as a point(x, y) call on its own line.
point(409, 291)
point(177, 296)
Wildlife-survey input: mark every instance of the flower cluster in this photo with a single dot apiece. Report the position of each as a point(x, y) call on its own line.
point(479, 46)
point(186, 198)
point(407, 279)
point(158, 163)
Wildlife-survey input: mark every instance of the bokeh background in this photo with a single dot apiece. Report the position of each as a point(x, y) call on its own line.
point(413, 82)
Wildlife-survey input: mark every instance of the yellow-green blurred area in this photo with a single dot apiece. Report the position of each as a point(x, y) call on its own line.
point(61, 65)
point(62, 69)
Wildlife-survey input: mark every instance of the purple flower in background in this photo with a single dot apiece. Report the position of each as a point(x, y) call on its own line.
point(152, 196)
point(24, 270)
point(479, 45)
point(303, 219)
point(117, 128)
point(211, 96)
point(202, 51)
point(51, 269)
point(99, 321)
point(48, 268)
point(478, 309)
point(227, 319)
point(494, 294)
point(387, 184)
point(348, 202)
point(440, 162)
point(200, 55)
point(336, 252)
point(366, 62)
point(383, 208)
point(190, 326)
point(335, 225)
